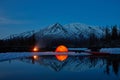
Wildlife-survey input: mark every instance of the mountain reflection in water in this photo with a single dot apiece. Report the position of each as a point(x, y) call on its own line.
point(74, 67)
point(77, 63)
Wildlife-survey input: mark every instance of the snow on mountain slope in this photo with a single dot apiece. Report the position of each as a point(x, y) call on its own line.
point(70, 31)
point(69, 34)
point(21, 35)
point(26, 34)
point(53, 31)
point(84, 30)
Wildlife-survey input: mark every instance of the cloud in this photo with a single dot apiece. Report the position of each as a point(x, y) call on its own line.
point(4, 20)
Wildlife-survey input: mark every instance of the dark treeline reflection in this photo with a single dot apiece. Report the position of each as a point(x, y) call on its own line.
point(78, 63)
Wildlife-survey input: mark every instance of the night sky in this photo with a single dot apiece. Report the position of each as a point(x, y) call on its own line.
point(18, 16)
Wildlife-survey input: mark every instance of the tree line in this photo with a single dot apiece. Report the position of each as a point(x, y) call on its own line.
point(18, 43)
point(111, 38)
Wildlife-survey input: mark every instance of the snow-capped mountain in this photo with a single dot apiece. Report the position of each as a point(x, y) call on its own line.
point(53, 31)
point(83, 30)
point(74, 34)
point(73, 31)
point(21, 35)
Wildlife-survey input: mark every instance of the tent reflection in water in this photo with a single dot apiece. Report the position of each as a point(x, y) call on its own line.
point(61, 57)
point(35, 57)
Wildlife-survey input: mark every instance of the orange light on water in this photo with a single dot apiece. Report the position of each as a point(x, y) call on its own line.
point(61, 57)
point(35, 49)
point(35, 57)
point(61, 48)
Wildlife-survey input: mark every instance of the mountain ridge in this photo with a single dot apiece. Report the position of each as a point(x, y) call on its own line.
point(74, 33)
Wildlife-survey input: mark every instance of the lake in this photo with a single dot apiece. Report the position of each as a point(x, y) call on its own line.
point(37, 66)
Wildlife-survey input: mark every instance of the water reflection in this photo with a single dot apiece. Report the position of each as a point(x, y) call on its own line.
point(109, 63)
point(75, 67)
point(61, 57)
point(36, 57)
point(113, 61)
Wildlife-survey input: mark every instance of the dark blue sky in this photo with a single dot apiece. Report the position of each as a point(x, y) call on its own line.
point(21, 15)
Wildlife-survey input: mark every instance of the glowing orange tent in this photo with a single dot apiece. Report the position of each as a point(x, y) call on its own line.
point(61, 48)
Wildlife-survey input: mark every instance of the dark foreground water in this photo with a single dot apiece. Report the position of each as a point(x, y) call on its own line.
point(48, 67)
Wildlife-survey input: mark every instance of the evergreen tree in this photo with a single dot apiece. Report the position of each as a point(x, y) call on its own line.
point(114, 33)
point(107, 34)
point(92, 39)
point(119, 35)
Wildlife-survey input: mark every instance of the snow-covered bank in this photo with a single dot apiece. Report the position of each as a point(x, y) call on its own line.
point(111, 50)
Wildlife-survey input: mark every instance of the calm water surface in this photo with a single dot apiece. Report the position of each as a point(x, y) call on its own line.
point(84, 67)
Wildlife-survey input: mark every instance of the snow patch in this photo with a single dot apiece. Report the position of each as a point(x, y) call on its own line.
point(111, 50)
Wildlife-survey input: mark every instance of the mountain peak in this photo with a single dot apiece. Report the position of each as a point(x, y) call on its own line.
point(57, 24)
point(56, 28)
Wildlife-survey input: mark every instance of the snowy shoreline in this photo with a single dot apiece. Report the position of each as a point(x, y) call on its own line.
point(111, 50)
